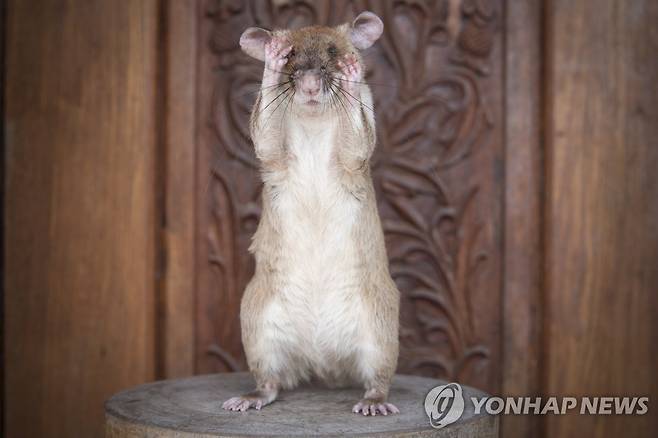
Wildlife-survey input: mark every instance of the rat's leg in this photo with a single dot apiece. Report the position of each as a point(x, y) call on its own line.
point(265, 393)
point(276, 57)
point(273, 100)
point(376, 362)
point(374, 401)
point(267, 349)
point(377, 348)
point(350, 77)
point(271, 363)
point(354, 104)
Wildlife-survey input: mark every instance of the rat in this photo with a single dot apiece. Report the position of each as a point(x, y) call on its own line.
point(322, 305)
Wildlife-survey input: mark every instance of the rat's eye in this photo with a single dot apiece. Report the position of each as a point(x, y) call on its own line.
point(332, 51)
point(291, 54)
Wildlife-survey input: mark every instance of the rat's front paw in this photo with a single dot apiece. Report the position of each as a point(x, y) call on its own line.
point(276, 56)
point(350, 76)
point(369, 406)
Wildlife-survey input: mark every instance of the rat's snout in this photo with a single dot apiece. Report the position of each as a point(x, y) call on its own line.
point(310, 83)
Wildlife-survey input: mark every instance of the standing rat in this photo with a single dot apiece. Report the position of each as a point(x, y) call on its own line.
point(321, 304)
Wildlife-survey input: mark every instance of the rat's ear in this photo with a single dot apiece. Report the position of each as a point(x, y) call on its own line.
point(253, 42)
point(366, 29)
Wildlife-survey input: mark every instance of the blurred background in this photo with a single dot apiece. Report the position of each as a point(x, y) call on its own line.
point(516, 171)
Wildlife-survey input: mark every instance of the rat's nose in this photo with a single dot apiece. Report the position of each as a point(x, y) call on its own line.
point(310, 84)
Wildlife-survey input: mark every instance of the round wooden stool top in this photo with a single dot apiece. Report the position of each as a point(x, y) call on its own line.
point(191, 408)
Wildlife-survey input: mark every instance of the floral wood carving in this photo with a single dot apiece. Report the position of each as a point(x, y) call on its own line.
point(435, 75)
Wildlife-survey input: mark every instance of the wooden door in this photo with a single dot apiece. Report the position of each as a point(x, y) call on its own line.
point(515, 173)
point(436, 75)
point(80, 211)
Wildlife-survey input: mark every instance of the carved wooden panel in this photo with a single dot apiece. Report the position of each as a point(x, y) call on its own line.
point(436, 76)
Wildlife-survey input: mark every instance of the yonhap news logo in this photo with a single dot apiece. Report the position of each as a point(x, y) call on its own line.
point(444, 405)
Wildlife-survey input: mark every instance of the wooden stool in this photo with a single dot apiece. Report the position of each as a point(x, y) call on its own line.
point(191, 408)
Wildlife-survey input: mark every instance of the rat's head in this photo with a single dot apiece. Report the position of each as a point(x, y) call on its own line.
point(312, 66)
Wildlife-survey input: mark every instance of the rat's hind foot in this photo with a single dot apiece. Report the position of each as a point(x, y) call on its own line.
point(255, 399)
point(374, 402)
point(370, 406)
point(244, 402)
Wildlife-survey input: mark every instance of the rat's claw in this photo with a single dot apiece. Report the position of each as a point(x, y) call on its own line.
point(285, 52)
point(232, 403)
point(270, 49)
point(243, 403)
point(392, 408)
point(372, 408)
point(350, 73)
point(276, 52)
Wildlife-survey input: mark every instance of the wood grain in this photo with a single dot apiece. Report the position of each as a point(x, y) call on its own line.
point(602, 210)
point(3, 21)
point(179, 285)
point(523, 212)
point(80, 221)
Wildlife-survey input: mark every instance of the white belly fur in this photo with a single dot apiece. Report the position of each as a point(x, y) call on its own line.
point(316, 314)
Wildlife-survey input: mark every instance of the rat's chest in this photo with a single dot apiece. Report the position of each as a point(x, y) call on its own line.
point(318, 302)
point(315, 211)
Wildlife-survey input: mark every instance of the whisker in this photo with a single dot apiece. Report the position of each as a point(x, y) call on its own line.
point(277, 71)
point(276, 85)
point(347, 93)
point(276, 107)
point(326, 91)
point(285, 108)
point(341, 107)
point(342, 90)
point(273, 100)
point(248, 93)
point(340, 100)
point(369, 83)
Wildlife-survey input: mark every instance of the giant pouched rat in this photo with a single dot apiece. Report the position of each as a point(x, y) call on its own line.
point(321, 304)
